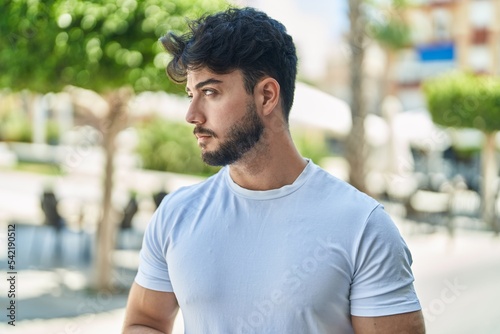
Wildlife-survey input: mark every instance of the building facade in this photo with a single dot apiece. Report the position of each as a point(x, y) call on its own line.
point(447, 35)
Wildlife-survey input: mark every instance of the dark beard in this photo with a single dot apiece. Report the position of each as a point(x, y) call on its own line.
point(241, 138)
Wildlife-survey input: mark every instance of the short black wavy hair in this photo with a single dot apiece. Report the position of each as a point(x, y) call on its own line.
point(237, 38)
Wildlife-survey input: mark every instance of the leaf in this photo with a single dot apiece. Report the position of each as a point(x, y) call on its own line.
point(97, 45)
point(464, 100)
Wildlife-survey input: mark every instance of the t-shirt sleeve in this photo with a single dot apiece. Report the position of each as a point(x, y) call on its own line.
point(382, 282)
point(153, 269)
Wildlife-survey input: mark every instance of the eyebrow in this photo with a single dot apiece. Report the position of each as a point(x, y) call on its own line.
point(204, 83)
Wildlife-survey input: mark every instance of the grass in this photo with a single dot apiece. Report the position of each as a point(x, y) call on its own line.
point(39, 168)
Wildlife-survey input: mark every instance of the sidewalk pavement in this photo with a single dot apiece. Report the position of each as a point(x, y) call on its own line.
point(52, 293)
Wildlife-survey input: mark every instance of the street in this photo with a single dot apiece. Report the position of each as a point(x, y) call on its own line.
point(458, 282)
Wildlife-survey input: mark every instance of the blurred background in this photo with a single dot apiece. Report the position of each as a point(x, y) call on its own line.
point(400, 98)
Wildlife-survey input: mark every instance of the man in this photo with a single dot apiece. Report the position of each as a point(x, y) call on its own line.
point(272, 243)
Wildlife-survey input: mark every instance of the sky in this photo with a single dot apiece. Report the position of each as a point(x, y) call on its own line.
point(315, 26)
point(333, 11)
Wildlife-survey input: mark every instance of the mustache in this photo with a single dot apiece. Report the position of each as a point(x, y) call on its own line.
point(204, 131)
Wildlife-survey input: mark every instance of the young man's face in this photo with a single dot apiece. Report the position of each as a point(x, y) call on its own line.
point(225, 115)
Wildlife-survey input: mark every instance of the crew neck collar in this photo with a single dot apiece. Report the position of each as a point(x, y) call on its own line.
point(273, 193)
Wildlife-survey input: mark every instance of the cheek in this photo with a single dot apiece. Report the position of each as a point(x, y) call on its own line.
point(227, 115)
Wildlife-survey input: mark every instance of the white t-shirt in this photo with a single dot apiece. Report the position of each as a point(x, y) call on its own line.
point(298, 259)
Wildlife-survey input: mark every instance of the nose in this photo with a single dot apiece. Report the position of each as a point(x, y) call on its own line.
point(195, 113)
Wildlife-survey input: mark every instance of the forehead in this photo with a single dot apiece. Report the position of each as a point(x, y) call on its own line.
point(200, 76)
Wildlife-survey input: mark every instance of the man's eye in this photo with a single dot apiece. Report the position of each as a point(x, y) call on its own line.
point(208, 92)
point(190, 97)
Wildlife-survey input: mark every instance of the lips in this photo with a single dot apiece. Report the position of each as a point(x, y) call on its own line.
point(202, 139)
point(200, 131)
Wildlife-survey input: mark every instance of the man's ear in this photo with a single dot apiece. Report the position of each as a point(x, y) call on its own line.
point(269, 95)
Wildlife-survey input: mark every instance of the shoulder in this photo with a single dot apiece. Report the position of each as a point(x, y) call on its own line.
point(340, 195)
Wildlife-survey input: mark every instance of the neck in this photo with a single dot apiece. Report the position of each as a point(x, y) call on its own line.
point(271, 164)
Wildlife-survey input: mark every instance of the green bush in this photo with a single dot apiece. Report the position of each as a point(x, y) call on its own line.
point(463, 100)
point(15, 127)
point(171, 147)
point(311, 145)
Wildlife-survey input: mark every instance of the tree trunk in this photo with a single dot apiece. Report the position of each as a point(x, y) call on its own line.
point(490, 181)
point(389, 80)
point(114, 122)
point(355, 145)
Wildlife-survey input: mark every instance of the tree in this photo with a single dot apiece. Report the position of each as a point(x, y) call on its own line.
point(107, 46)
point(389, 28)
point(391, 31)
point(355, 144)
point(464, 100)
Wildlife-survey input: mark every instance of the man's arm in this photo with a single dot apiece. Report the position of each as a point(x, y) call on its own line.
point(150, 311)
point(405, 323)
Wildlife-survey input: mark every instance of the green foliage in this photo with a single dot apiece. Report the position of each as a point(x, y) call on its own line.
point(464, 100)
point(15, 126)
point(393, 35)
point(387, 25)
point(38, 168)
point(467, 153)
point(171, 147)
point(98, 45)
point(312, 146)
